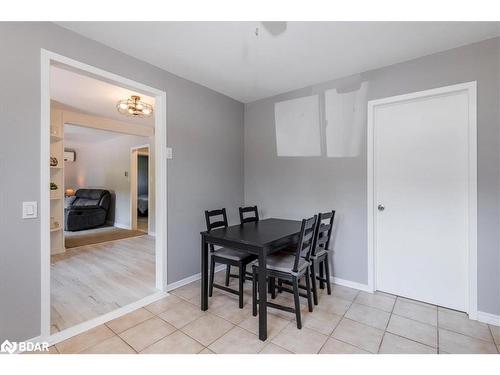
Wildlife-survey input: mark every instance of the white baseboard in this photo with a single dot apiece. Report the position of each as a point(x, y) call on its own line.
point(152, 234)
point(85, 326)
point(350, 284)
point(190, 279)
point(488, 318)
point(122, 226)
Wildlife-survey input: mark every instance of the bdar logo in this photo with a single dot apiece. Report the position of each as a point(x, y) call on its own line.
point(8, 347)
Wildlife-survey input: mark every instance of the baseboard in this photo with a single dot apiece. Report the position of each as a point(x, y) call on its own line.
point(152, 234)
point(190, 279)
point(350, 284)
point(488, 318)
point(122, 226)
point(85, 326)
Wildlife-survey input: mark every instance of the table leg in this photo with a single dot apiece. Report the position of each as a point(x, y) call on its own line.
point(262, 296)
point(204, 274)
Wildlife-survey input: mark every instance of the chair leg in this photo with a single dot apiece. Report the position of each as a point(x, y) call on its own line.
point(327, 275)
point(280, 286)
point(254, 291)
point(212, 272)
point(313, 281)
point(296, 299)
point(240, 283)
point(308, 287)
point(272, 285)
point(228, 274)
point(321, 276)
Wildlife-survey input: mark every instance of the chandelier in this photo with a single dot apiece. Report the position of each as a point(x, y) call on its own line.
point(134, 107)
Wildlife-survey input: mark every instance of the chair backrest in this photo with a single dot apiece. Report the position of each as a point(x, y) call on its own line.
point(324, 227)
point(92, 198)
point(221, 223)
point(253, 214)
point(306, 240)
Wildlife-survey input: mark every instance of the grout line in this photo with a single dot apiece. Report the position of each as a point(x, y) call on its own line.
point(387, 325)
point(494, 342)
point(437, 330)
point(171, 333)
point(340, 320)
point(415, 341)
point(136, 352)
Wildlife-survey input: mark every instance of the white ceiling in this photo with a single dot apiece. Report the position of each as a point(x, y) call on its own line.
point(80, 135)
point(92, 96)
point(228, 57)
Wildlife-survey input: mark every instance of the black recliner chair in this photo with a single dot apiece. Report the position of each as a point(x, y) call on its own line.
point(88, 210)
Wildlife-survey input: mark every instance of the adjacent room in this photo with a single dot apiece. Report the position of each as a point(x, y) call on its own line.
point(252, 187)
point(102, 250)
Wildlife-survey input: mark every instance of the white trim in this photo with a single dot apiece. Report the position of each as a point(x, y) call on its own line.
point(44, 194)
point(350, 284)
point(470, 87)
point(160, 177)
point(122, 226)
point(488, 318)
point(89, 324)
point(190, 279)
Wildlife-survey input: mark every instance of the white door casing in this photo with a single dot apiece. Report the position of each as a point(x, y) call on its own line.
point(422, 167)
point(160, 146)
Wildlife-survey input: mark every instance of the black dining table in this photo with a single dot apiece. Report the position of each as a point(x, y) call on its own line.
point(260, 238)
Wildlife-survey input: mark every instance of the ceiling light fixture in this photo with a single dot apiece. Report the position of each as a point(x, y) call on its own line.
point(134, 107)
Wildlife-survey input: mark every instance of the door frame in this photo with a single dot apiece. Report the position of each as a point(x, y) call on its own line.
point(134, 154)
point(471, 89)
point(160, 133)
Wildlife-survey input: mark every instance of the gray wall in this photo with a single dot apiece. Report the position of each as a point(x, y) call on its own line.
point(102, 165)
point(205, 130)
point(295, 187)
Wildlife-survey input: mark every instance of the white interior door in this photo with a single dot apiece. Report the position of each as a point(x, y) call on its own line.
point(421, 193)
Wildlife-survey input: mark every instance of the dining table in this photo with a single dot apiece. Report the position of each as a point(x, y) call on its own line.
point(259, 238)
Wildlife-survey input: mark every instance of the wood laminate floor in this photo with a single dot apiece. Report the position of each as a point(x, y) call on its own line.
point(92, 280)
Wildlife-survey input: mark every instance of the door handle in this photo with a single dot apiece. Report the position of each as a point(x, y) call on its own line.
point(381, 207)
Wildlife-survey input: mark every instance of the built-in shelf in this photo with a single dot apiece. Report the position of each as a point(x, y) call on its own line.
point(57, 177)
point(55, 138)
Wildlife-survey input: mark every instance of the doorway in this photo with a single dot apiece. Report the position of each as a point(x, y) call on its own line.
point(140, 197)
point(49, 59)
point(422, 199)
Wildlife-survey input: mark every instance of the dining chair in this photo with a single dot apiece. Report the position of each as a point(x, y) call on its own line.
point(290, 268)
point(229, 257)
point(253, 214)
point(320, 253)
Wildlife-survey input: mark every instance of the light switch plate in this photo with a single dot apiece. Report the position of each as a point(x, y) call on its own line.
point(169, 152)
point(30, 210)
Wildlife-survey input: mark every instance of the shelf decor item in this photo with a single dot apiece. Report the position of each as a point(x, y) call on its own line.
point(134, 107)
point(54, 131)
point(53, 161)
point(69, 192)
point(53, 186)
point(54, 224)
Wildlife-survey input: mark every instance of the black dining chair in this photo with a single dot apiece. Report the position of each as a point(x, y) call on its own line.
point(229, 257)
point(289, 268)
point(320, 253)
point(249, 214)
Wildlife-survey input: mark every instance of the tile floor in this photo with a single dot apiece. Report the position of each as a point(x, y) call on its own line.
point(348, 321)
